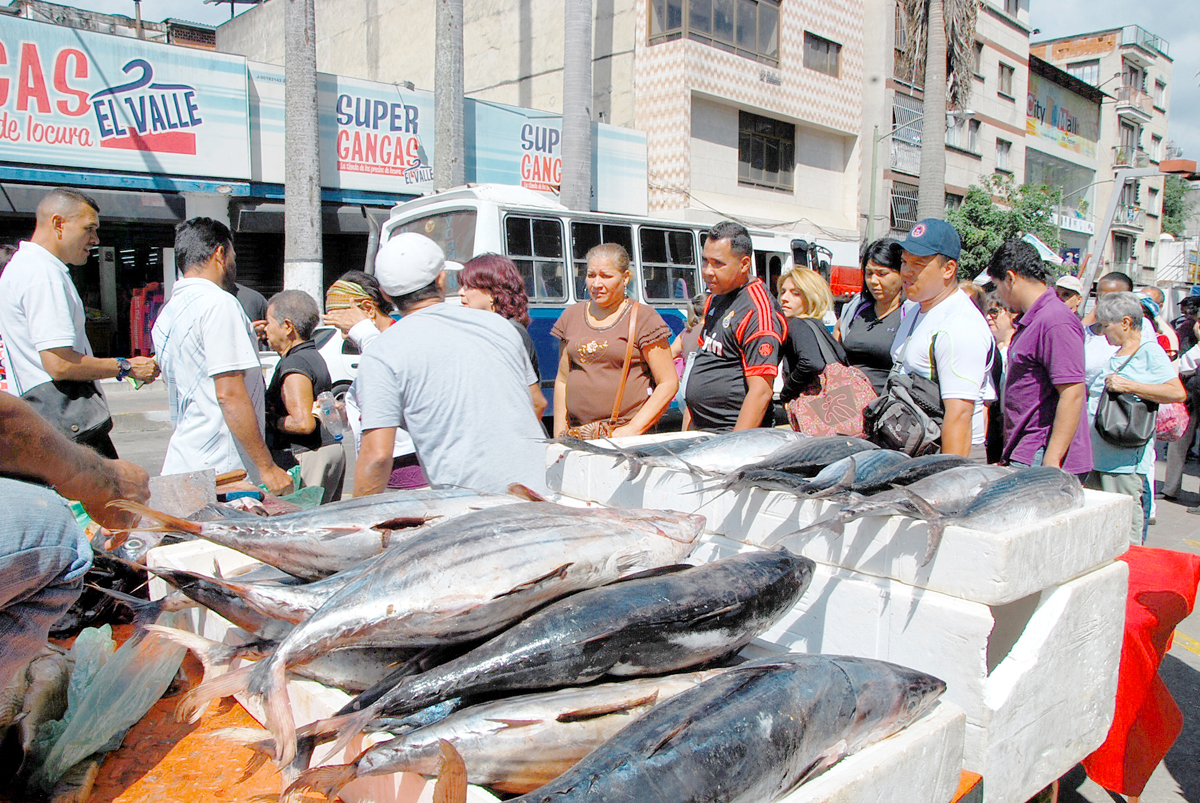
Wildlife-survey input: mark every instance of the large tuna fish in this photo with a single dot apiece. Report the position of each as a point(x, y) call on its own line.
point(808, 456)
point(515, 744)
point(717, 455)
point(312, 544)
point(847, 474)
point(463, 580)
point(749, 735)
point(638, 627)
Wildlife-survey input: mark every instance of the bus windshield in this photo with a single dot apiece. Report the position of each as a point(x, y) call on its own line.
point(453, 231)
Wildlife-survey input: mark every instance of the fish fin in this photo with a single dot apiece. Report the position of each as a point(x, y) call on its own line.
point(832, 523)
point(556, 574)
point(327, 781)
point(658, 571)
point(212, 654)
point(525, 492)
point(936, 520)
point(400, 523)
point(510, 724)
point(595, 712)
point(844, 484)
point(257, 740)
point(194, 703)
point(718, 612)
point(668, 738)
point(347, 727)
point(329, 533)
point(451, 786)
point(144, 611)
point(166, 522)
point(268, 682)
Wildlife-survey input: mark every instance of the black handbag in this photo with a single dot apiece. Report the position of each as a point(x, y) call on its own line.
point(908, 416)
point(76, 409)
point(1124, 419)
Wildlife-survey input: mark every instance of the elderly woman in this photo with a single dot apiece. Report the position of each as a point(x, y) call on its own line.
point(805, 297)
point(1140, 367)
point(491, 282)
point(1000, 320)
point(294, 434)
point(357, 306)
point(595, 391)
point(869, 321)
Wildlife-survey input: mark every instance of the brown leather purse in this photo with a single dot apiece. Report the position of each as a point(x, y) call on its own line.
point(604, 429)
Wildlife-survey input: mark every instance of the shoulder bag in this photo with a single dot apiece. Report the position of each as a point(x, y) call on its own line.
point(1124, 419)
point(604, 429)
point(908, 416)
point(76, 409)
point(833, 403)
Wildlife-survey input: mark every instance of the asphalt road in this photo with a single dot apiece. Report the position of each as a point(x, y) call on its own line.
point(142, 429)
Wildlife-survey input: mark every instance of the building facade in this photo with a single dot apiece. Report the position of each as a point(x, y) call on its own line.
point(750, 110)
point(1133, 68)
point(986, 138)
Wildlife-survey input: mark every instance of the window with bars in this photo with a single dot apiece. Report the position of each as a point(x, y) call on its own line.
point(1005, 86)
point(749, 28)
point(905, 69)
point(904, 208)
point(766, 152)
point(822, 55)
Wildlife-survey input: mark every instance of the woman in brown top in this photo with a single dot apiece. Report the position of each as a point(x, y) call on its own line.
point(595, 336)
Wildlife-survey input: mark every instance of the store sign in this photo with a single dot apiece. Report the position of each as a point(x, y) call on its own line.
point(379, 137)
point(1056, 114)
point(1078, 225)
point(70, 97)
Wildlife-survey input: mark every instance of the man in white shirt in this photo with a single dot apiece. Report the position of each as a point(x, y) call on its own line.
point(208, 352)
point(42, 319)
point(948, 321)
point(457, 379)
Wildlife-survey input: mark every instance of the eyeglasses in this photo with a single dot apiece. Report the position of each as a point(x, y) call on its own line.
point(994, 311)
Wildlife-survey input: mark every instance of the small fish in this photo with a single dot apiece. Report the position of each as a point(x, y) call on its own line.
point(808, 456)
point(749, 735)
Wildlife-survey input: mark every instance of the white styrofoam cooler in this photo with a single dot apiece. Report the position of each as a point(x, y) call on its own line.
point(1025, 626)
point(920, 764)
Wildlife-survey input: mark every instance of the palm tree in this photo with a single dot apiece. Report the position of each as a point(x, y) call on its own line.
point(449, 162)
point(302, 266)
point(937, 29)
point(576, 189)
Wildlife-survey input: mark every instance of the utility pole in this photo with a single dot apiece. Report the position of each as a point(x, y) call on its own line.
point(302, 267)
point(575, 192)
point(449, 154)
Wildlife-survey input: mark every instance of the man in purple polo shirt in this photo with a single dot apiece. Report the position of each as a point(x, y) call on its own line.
point(1044, 394)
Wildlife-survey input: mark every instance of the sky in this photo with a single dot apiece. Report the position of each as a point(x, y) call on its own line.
point(1177, 21)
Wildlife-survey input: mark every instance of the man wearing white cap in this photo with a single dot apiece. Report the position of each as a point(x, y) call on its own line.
point(457, 379)
point(1069, 290)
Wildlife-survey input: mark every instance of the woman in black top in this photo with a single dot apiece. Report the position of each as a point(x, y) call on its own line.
point(868, 325)
point(294, 434)
point(805, 298)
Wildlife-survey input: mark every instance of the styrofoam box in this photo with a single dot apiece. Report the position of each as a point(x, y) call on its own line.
point(1036, 679)
point(990, 568)
point(917, 765)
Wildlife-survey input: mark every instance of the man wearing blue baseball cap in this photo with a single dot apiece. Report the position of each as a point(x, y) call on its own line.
point(944, 337)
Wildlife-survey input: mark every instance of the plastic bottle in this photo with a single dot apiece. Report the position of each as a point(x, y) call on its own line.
point(330, 416)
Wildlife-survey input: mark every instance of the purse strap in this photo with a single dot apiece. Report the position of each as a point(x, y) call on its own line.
point(633, 316)
point(1130, 357)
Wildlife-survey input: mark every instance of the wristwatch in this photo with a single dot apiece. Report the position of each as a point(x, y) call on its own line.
point(123, 368)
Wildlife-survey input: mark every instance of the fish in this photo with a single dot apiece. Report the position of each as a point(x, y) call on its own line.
point(710, 456)
point(947, 491)
point(751, 734)
point(312, 544)
point(514, 744)
point(462, 580)
point(1023, 497)
point(844, 474)
point(644, 626)
point(906, 473)
point(808, 456)
point(36, 694)
point(632, 455)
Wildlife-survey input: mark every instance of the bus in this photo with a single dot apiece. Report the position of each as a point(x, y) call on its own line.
point(548, 243)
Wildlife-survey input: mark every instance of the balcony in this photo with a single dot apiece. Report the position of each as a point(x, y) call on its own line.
point(1130, 217)
point(1130, 157)
point(1135, 103)
point(906, 158)
point(1140, 37)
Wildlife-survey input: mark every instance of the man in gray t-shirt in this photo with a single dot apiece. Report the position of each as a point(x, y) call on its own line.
point(457, 379)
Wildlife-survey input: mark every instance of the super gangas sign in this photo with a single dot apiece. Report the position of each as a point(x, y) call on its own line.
point(74, 98)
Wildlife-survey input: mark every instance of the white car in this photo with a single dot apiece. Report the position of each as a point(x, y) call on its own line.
point(340, 355)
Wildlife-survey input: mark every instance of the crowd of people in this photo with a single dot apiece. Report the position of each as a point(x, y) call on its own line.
point(450, 395)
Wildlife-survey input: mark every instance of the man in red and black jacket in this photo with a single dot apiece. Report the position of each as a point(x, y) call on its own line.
point(731, 382)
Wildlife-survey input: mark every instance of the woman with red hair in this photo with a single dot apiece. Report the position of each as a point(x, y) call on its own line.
point(491, 282)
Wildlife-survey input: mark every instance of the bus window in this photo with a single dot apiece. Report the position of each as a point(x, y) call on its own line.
point(453, 231)
point(585, 237)
point(535, 245)
point(669, 268)
point(769, 266)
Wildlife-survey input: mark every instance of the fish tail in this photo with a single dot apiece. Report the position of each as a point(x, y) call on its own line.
point(525, 492)
point(166, 522)
point(327, 781)
point(936, 520)
point(451, 786)
point(214, 657)
point(196, 701)
point(347, 726)
point(144, 611)
point(268, 683)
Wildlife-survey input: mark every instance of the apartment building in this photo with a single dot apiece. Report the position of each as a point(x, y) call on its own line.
point(985, 138)
point(751, 108)
point(1133, 68)
point(169, 31)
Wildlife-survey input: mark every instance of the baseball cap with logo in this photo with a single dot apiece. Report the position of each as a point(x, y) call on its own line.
point(932, 236)
point(408, 262)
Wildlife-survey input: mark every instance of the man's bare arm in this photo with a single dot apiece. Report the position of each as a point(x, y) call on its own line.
point(1067, 413)
point(238, 411)
point(374, 464)
point(759, 394)
point(65, 363)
